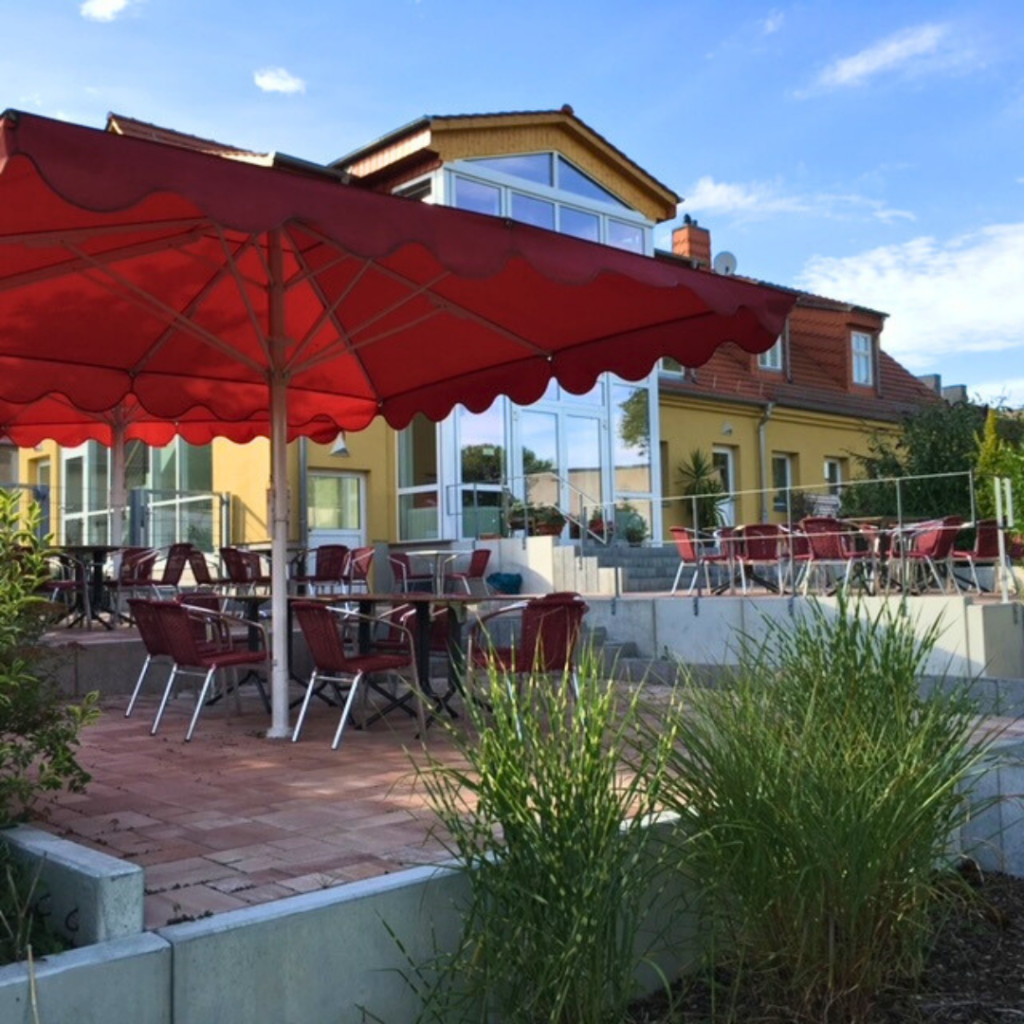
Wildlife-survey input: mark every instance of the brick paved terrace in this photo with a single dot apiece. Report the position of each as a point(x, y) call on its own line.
point(233, 819)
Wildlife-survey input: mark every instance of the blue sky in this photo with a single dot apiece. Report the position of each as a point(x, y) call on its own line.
point(869, 151)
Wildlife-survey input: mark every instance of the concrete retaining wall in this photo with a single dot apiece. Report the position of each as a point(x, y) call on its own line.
point(976, 639)
point(91, 896)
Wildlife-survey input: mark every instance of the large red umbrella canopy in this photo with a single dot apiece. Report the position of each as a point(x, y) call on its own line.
point(195, 282)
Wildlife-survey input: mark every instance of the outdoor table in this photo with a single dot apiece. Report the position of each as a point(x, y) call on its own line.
point(94, 558)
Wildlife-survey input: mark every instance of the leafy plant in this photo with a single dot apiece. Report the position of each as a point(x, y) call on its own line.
point(701, 486)
point(817, 794)
point(557, 853)
point(38, 731)
point(23, 925)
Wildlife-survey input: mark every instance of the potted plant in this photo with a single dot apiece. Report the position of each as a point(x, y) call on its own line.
point(634, 527)
point(701, 485)
point(546, 521)
point(600, 527)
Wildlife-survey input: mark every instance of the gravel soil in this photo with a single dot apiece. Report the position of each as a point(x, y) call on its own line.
point(974, 974)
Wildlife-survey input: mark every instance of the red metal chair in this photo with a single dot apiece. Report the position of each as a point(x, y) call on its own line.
point(761, 547)
point(357, 572)
point(330, 562)
point(691, 554)
point(927, 554)
point(177, 557)
point(134, 578)
point(473, 573)
point(68, 587)
point(832, 553)
point(199, 643)
point(405, 577)
point(984, 553)
point(548, 634)
point(201, 575)
point(329, 633)
point(244, 569)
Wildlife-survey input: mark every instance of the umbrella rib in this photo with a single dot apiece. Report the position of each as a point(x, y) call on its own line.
point(56, 236)
point(329, 311)
point(55, 271)
point(194, 303)
point(121, 286)
point(236, 275)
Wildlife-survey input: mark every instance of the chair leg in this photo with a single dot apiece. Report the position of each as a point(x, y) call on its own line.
point(199, 703)
point(138, 685)
point(310, 688)
point(679, 573)
point(163, 700)
point(345, 710)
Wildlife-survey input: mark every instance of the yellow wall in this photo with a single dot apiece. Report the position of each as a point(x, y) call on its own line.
point(810, 437)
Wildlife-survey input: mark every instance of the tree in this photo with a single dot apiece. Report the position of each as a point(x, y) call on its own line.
point(701, 484)
point(998, 456)
point(932, 442)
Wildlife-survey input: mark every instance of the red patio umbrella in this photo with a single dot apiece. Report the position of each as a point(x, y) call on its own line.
point(196, 282)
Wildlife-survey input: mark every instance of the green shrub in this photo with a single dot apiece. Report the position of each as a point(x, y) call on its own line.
point(818, 792)
point(560, 862)
point(24, 926)
point(38, 730)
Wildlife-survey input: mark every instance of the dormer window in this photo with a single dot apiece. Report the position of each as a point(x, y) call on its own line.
point(772, 359)
point(549, 169)
point(862, 351)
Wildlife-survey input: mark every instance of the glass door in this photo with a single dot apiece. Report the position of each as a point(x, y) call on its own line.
point(724, 462)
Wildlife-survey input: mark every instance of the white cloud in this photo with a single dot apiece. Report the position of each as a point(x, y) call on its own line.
point(945, 297)
point(1009, 392)
point(278, 80)
point(757, 200)
point(103, 10)
point(772, 23)
point(913, 51)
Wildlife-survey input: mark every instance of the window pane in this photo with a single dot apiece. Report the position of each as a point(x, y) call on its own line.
point(482, 444)
point(572, 180)
point(136, 464)
point(196, 467)
point(632, 426)
point(579, 224)
point(334, 503)
point(417, 454)
point(625, 236)
point(165, 468)
point(531, 166)
point(583, 451)
point(533, 211)
point(475, 196)
point(417, 516)
point(74, 484)
point(538, 433)
point(772, 359)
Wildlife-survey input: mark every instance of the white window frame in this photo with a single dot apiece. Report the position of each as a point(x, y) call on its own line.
point(507, 183)
point(834, 486)
point(862, 358)
point(779, 493)
point(772, 359)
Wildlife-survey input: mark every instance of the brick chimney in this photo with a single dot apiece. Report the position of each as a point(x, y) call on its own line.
point(693, 242)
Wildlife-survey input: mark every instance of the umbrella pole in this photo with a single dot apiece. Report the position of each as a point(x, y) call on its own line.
point(279, 498)
point(118, 496)
point(279, 561)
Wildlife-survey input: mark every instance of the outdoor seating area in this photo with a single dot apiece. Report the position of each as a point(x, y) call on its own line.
point(825, 555)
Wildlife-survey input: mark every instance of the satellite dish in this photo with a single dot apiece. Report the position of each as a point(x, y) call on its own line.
point(725, 263)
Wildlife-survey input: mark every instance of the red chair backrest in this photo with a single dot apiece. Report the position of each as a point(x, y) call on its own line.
point(178, 556)
point(147, 620)
point(179, 627)
point(550, 633)
point(684, 543)
point(478, 563)
point(824, 537)
point(937, 539)
point(331, 562)
point(234, 565)
point(320, 628)
point(200, 567)
point(359, 563)
point(136, 565)
point(401, 565)
point(761, 542)
point(986, 540)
